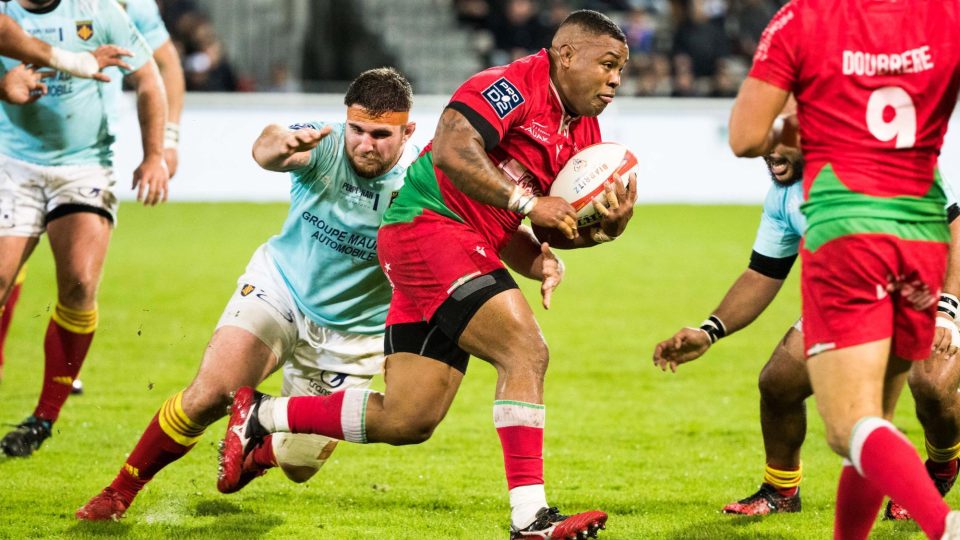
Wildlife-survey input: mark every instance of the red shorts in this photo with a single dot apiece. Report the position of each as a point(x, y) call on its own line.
point(847, 301)
point(426, 260)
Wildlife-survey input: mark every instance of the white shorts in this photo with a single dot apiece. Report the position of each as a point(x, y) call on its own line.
point(316, 360)
point(30, 194)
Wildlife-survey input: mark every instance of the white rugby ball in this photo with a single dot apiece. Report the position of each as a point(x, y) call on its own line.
point(585, 174)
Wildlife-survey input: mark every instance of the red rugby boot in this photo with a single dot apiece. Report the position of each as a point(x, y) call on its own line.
point(243, 434)
point(550, 524)
point(108, 504)
point(767, 500)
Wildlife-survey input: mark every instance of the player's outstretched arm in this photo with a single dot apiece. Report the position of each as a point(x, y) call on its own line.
point(528, 257)
point(16, 43)
point(151, 177)
point(22, 85)
point(458, 151)
point(280, 149)
point(754, 130)
point(743, 303)
point(171, 72)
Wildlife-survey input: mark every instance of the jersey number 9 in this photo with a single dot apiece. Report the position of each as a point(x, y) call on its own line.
point(903, 124)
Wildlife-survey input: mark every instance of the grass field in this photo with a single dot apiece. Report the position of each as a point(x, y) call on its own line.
point(661, 453)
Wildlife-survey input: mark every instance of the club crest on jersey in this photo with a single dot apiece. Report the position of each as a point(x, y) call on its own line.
point(246, 289)
point(503, 96)
point(85, 30)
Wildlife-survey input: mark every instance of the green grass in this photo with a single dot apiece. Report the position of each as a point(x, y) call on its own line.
point(661, 453)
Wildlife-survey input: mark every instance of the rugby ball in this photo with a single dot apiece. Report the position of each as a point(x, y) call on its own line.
point(585, 174)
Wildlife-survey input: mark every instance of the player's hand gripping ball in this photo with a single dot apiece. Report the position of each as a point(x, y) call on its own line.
point(583, 178)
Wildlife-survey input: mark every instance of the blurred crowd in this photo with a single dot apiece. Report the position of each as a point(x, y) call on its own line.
point(678, 48)
point(205, 64)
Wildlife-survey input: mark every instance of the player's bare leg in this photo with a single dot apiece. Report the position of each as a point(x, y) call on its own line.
point(934, 384)
point(855, 387)
point(503, 332)
point(418, 394)
point(784, 387)
point(79, 244)
point(16, 250)
point(233, 358)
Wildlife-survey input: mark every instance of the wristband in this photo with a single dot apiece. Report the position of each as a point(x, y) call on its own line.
point(952, 327)
point(714, 328)
point(171, 135)
point(949, 305)
point(521, 202)
point(82, 64)
point(601, 237)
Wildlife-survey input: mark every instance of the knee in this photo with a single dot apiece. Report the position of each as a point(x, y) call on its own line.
point(838, 438)
point(414, 430)
point(301, 456)
point(78, 290)
point(528, 358)
point(928, 387)
point(780, 392)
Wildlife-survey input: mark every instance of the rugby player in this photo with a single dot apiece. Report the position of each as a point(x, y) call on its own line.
point(313, 300)
point(784, 384)
point(146, 18)
point(499, 145)
point(56, 160)
point(875, 84)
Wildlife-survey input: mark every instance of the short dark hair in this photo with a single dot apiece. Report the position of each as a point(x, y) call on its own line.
point(596, 23)
point(380, 91)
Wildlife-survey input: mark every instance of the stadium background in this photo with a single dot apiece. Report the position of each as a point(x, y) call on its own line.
point(661, 453)
point(252, 62)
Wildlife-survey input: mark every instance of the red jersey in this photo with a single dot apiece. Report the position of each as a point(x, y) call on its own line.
point(526, 132)
point(876, 82)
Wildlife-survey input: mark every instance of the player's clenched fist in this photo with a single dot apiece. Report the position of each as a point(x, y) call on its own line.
point(555, 213)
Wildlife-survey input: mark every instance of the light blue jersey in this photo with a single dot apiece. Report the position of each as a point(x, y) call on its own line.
point(69, 125)
point(782, 224)
point(327, 250)
point(145, 16)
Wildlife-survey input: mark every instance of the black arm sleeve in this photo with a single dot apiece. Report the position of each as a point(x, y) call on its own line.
point(953, 212)
point(489, 133)
point(772, 267)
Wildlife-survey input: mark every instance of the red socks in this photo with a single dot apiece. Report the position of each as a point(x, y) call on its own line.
point(68, 339)
point(887, 460)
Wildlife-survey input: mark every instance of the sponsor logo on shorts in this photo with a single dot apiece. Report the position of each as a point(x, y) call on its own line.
point(247, 289)
point(85, 30)
point(333, 379)
point(503, 96)
point(481, 250)
point(90, 192)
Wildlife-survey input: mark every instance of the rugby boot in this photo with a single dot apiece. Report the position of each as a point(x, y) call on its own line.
point(550, 524)
point(943, 482)
point(244, 433)
point(27, 437)
point(767, 500)
point(108, 504)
